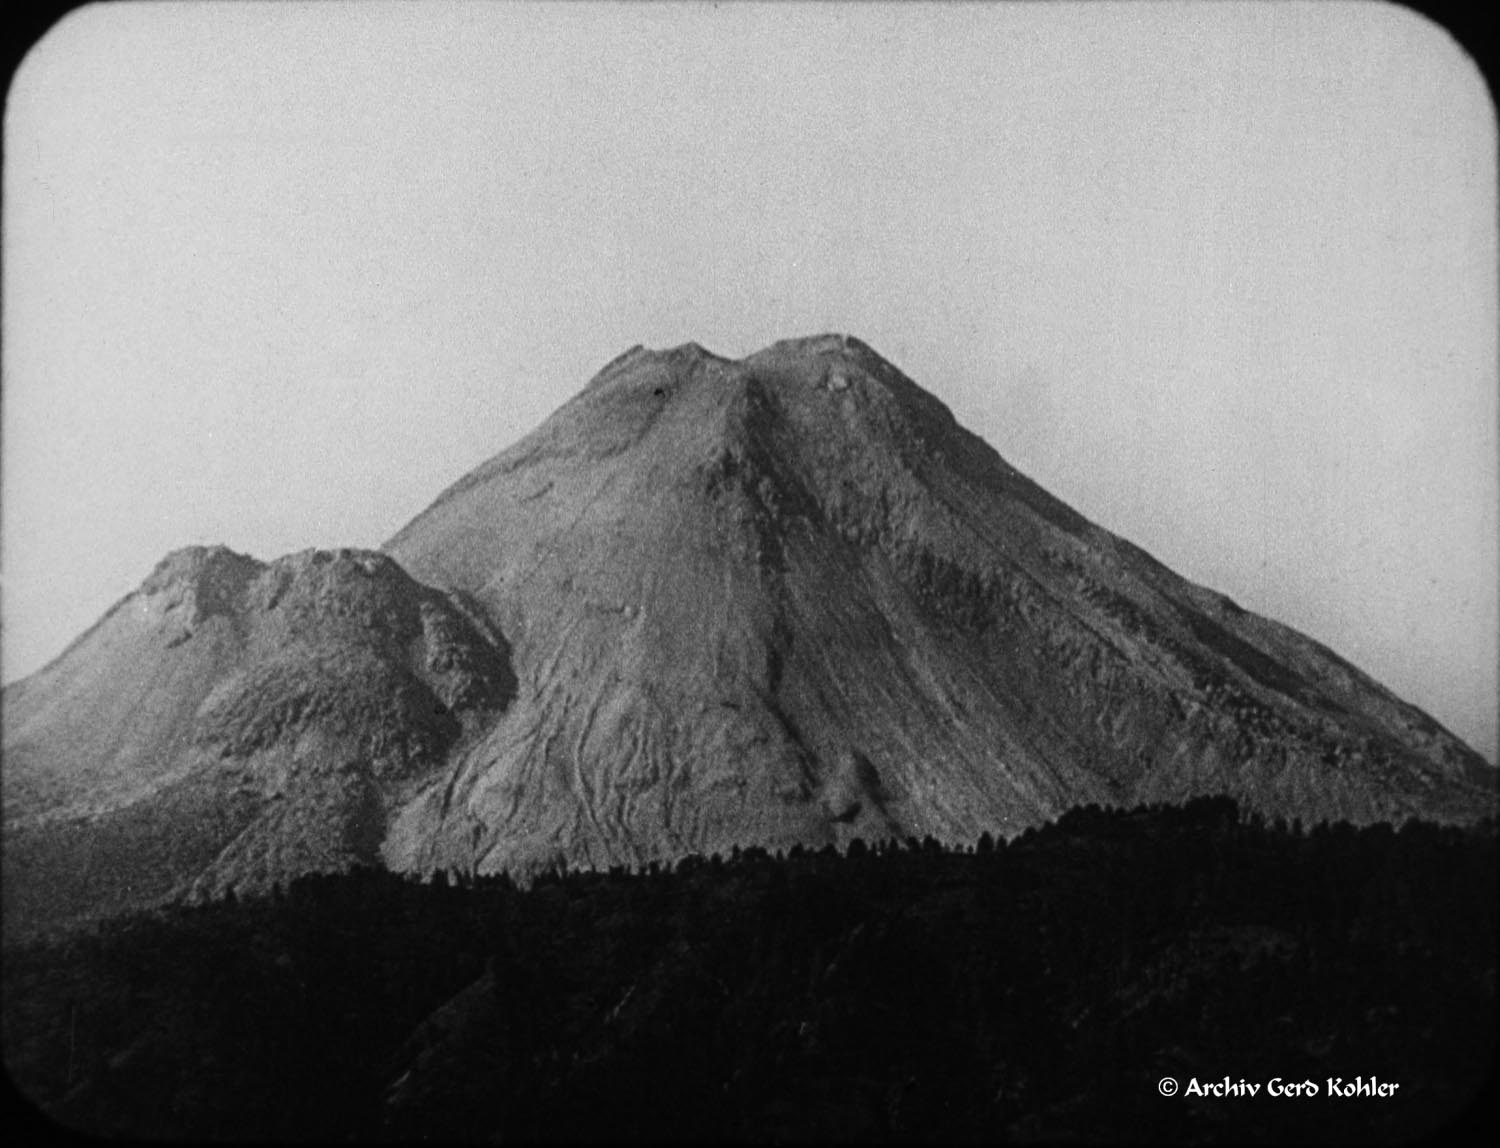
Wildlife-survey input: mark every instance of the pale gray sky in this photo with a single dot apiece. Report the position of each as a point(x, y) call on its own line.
point(1221, 276)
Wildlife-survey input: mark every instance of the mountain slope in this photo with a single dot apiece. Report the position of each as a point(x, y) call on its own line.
point(782, 600)
point(234, 723)
point(790, 599)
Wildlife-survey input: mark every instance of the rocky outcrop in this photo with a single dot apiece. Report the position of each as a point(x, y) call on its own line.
point(235, 723)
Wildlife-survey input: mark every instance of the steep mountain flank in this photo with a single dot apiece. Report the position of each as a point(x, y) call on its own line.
point(790, 599)
point(232, 722)
point(782, 600)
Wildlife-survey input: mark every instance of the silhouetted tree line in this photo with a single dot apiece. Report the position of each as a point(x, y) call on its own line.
point(1033, 989)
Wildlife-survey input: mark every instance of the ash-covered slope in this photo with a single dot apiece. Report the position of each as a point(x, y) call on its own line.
point(235, 723)
point(708, 603)
point(788, 599)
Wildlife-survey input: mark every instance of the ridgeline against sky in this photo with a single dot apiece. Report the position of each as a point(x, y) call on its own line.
point(1220, 276)
point(776, 601)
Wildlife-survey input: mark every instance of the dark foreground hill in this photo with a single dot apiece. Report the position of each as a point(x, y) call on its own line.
point(1036, 990)
point(785, 600)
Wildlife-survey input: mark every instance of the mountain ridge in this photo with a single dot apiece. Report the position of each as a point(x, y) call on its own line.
point(780, 600)
point(771, 496)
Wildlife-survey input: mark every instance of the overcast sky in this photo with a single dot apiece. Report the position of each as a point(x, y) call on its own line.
point(1222, 277)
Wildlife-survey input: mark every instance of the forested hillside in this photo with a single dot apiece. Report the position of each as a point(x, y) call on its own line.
point(1036, 990)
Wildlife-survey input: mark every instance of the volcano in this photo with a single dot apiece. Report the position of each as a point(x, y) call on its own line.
point(708, 603)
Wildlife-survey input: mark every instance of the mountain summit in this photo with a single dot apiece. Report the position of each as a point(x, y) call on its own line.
point(789, 599)
point(780, 600)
